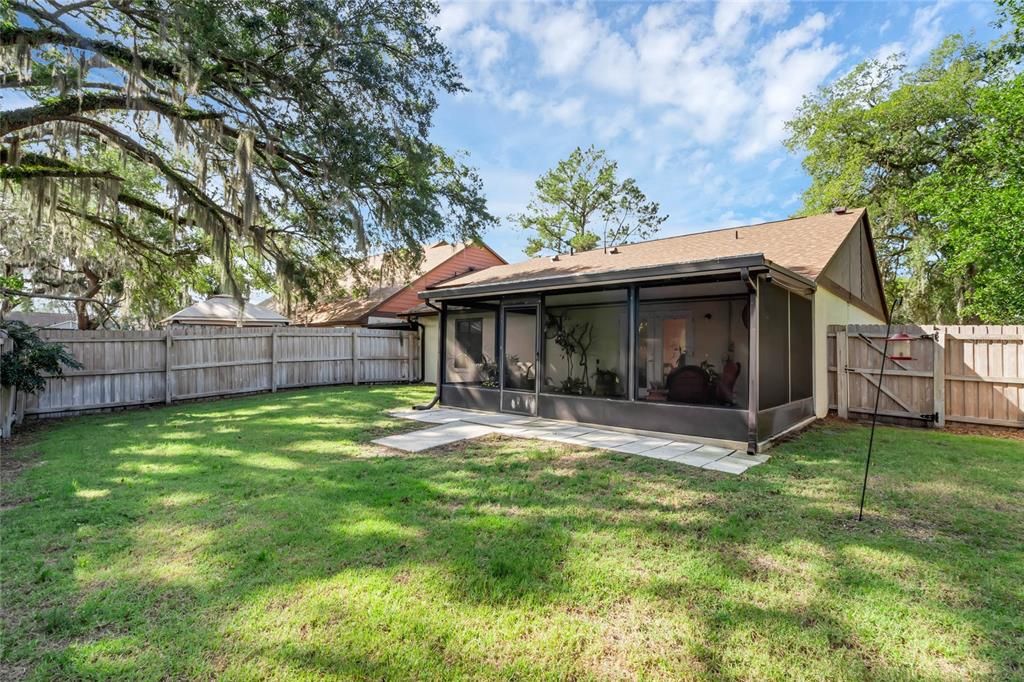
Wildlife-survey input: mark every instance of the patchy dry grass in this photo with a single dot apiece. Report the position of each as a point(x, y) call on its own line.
point(266, 538)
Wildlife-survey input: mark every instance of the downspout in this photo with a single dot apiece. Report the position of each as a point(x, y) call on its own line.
point(442, 325)
point(753, 369)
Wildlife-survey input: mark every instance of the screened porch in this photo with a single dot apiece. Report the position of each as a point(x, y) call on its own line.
point(726, 358)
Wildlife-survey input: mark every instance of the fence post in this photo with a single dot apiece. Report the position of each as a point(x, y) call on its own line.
point(273, 360)
point(19, 407)
point(842, 378)
point(355, 356)
point(168, 366)
point(939, 377)
point(410, 339)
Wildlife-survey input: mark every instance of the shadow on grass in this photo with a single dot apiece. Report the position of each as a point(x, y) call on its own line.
point(225, 538)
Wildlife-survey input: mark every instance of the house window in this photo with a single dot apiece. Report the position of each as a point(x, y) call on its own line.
point(469, 338)
point(470, 353)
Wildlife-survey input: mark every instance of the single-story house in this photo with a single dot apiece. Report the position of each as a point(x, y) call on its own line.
point(718, 335)
point(225, 310)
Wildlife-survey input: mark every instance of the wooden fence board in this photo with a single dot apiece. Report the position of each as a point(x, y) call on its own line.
point(126, 368)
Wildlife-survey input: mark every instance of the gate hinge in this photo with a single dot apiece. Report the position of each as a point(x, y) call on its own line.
point(933, 417)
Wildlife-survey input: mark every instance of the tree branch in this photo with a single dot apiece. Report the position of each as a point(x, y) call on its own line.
point(65, 107)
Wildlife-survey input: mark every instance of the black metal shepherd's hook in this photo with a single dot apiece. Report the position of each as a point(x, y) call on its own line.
point(874, 414)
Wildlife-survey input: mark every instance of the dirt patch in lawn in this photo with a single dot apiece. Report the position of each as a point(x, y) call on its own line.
point(985, 430)
point(18, 456)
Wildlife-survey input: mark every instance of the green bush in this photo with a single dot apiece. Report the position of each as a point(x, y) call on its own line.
point(32, 360)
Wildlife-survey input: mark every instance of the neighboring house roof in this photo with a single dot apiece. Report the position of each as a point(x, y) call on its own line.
point(224, 309)
point(803, 246)
point(396, 291)
point(44, 320)
point(345, 309)
point(421, 310)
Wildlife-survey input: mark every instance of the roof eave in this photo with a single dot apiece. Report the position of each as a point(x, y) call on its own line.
point(628, 276)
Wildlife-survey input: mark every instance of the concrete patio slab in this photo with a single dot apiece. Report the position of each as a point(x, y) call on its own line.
point(454, 425)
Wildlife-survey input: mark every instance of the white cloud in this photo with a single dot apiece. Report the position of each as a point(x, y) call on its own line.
point(519, 101)
point(926, 30)
point(888, 50)
point(925, 33)
point(564, 39)
point(791, 65)
point(613, 65)
point(455, 17)
point(733, 20)
point(609, 127)
point(489, 45)
point(703, 77)
point(568, 112)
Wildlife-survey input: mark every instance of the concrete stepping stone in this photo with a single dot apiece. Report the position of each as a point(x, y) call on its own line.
point(729, 465)
point(443, 434)
point(497, 419)
point(670, 451)
point(703, 455)
point(608, 439)
point(641, 446)
point(430, 416)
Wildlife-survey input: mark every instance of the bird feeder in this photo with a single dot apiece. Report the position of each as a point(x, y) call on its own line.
point(899, 345)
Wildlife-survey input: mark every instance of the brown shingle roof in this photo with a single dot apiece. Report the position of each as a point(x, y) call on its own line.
point(802, 245)
point(344, 310)
point(383, 280)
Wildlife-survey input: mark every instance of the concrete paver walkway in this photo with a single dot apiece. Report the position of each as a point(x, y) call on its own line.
point(452, 425)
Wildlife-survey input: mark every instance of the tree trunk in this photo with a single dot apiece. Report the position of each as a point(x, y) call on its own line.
point(85, 321)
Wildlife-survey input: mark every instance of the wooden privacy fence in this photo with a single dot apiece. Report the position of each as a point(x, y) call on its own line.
point(130, 368)
point(971, 374)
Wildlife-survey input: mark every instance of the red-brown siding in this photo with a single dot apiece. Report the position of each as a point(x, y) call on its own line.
point(470, 258)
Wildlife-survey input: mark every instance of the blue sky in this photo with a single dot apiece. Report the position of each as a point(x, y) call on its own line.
point(689, 98)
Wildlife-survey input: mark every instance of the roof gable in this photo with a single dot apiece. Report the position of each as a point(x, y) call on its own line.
point(853, 274)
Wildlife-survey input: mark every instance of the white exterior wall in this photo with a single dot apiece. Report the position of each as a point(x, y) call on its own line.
point(830, 309)
point(431, 340)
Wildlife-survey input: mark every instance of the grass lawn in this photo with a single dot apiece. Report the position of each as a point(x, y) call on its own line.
point(264, 537)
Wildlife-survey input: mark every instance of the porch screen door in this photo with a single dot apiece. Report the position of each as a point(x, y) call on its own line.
point(519, 360)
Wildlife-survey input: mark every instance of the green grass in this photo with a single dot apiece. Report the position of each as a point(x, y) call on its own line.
point(265, 537)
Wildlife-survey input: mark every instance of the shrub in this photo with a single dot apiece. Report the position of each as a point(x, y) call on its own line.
point(32, 360)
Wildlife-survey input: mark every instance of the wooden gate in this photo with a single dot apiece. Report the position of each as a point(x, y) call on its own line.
point(972, 374)
point(909, 390)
